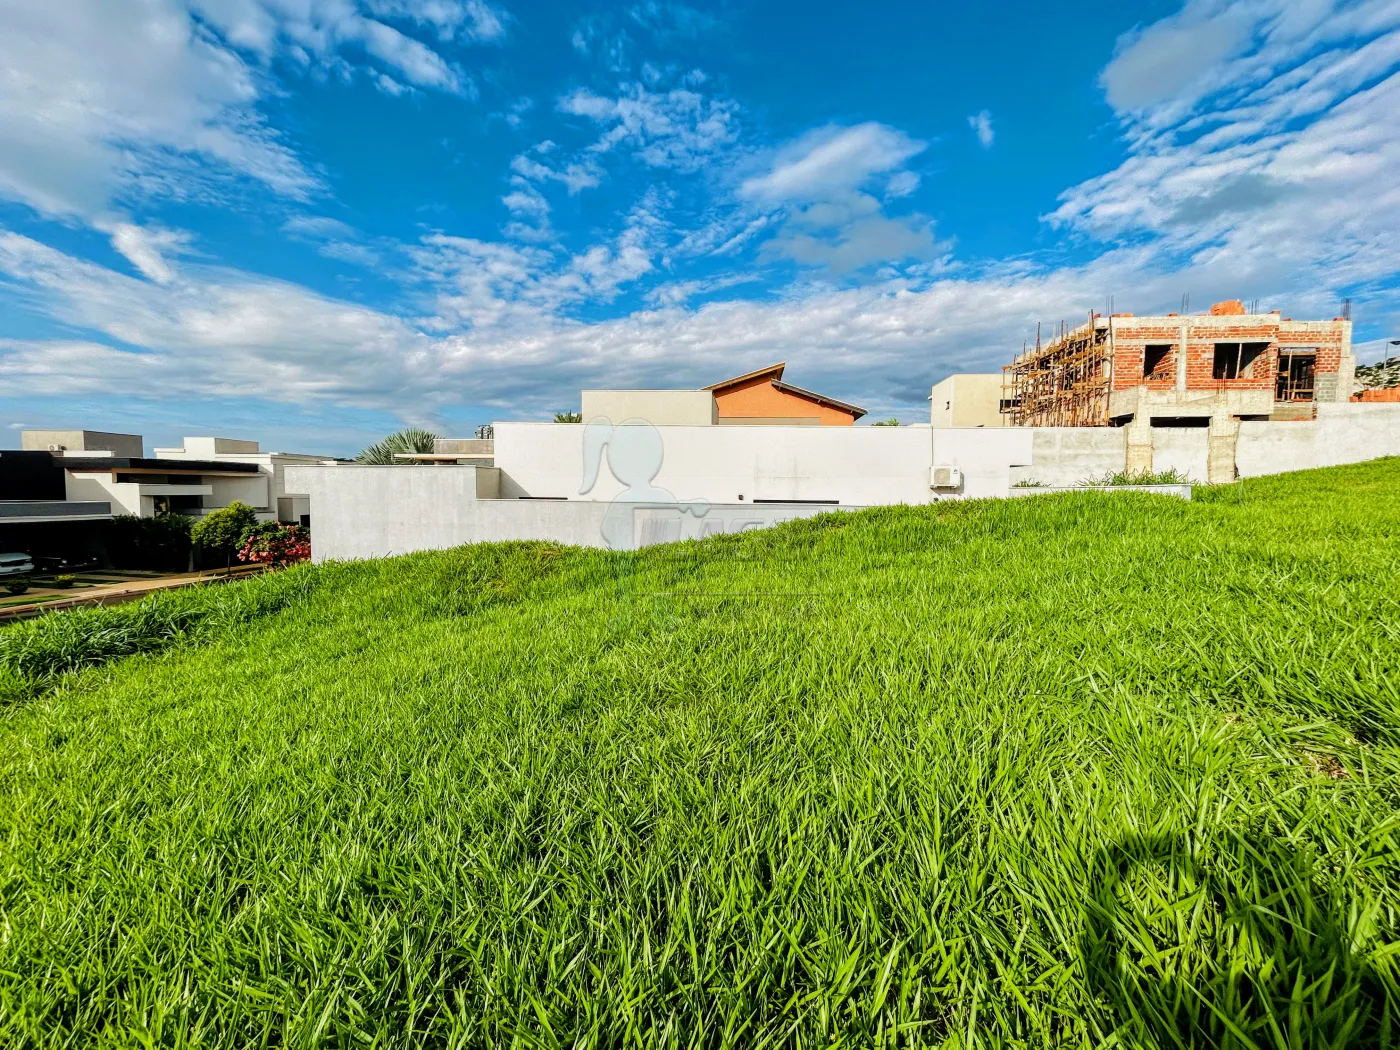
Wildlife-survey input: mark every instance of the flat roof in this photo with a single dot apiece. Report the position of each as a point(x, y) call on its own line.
point(142, 465)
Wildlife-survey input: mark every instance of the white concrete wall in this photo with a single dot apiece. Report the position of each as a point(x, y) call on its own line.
point(1347, 432)
point(372, 512)
point(125, 499)
point(1185, 449)
point(252, 490)
point(657, 407)
point(987, 456)
point(862, 466)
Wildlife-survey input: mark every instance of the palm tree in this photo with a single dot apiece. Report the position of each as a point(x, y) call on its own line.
point(568, 417)
point(382, 453)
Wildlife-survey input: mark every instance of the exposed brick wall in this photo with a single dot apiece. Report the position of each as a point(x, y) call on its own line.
point(1389, 394)
point(1130, 345)
point(1132, 336)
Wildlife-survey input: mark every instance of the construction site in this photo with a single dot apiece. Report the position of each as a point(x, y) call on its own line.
point(1180, 370)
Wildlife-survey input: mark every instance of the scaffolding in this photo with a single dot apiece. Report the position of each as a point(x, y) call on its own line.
point(1064, 383)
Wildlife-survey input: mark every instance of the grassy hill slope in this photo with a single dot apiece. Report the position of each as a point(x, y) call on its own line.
point(1022, 772)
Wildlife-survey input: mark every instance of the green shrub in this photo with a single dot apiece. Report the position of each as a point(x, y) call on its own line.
point(161, 543)
point(17, 584)
point(64, 581)
point(1139, 477)
point(218, 535)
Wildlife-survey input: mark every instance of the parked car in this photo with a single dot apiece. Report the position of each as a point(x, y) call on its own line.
point(55, 565)
point(15, 564)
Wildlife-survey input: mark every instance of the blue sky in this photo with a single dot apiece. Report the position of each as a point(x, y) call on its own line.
point(313, 221)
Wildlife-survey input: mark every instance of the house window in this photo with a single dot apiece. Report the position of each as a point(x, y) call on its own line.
point(1156, 361)
point(1233, 360)
point(1295, 375)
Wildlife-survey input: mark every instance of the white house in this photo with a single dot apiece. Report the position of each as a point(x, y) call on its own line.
point(272, 500)
point(202, 475)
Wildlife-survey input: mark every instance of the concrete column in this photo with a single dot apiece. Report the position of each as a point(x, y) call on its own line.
point(1224, 439)
point(1181, 359)
point(1139, 445)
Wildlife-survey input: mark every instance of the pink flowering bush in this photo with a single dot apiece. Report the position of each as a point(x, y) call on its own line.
point(271, 543)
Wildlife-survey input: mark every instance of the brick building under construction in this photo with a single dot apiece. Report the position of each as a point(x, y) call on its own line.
point(1181, 370)
point(1197, 370)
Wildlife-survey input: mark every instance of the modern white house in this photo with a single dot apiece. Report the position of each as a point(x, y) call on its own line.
point(202, 475)
point(273, 501)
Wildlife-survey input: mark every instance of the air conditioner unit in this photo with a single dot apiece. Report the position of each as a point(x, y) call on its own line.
point(58, 448)
point(945, 478)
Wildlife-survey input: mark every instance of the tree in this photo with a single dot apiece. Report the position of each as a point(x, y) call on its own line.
point(218, 535)
point(568, 417)
point(891, 422)
point(384, 453)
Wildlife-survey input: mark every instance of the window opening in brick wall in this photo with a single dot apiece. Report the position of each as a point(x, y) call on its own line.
point(1233, 360)
point(1156, 361)
point(1296, 369)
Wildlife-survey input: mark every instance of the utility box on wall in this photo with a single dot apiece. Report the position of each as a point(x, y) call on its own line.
point(945, 478)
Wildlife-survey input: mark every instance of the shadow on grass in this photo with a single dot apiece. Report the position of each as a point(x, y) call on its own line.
point(1249, 948)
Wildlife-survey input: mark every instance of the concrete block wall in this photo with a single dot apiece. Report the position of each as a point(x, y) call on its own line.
point(1069, 455)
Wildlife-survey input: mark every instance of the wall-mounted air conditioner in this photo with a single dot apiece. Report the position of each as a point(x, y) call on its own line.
point(945, 478)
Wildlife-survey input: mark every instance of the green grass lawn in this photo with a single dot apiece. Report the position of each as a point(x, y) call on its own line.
point(1078, 770)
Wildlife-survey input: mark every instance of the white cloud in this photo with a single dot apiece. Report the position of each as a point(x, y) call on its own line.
point(94, 96)
point(1175, 59)
point(981, 125)
point(472, 20)
point(333, 239)
point(575, 176)
point(678, 129)
point(856, 243)
point(102, 103)
point(901, 184)
point(146, 247)
point(831, 161)
point(320, 30)
point(320, 226)
point(830, 221)
point(1276, 164)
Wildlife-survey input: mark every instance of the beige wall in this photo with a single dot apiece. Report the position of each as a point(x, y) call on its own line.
point(82, 441)
point(970, 399)
point(677, 408)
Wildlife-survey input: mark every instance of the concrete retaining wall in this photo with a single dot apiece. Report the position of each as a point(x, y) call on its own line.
point(1347, 432)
